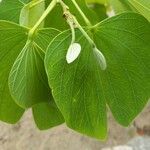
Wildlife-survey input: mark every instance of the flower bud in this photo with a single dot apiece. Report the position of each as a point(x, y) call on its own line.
point(73, 52)
point(100, 58)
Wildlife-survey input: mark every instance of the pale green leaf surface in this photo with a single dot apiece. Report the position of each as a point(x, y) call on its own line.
point(82, 90)
point(47, 115)
point(28, 80)
point(12, 39)
point(31, 13)
point(142, 6)
point(120, 6)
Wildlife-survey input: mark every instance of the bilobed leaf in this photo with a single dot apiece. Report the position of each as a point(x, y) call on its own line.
point(47, 115)
point(28, 80)
point(142, 6)
point(10, 10)
point(82, 89)
point(12, 40)
point(31, 12)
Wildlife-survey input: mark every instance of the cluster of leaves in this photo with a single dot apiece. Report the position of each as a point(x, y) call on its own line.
point(34, 72)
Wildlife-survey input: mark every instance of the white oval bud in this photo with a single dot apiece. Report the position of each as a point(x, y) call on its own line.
point(100, 58)
point(73, 52)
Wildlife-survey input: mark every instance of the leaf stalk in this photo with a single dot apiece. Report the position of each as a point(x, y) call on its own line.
point(46, 12)
point(81, 13)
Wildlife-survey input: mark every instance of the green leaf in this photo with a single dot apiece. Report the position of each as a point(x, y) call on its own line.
point(10, 10)
point(82, 90)
point(31, 12)
point(47, 115)
point(28, 81)
point(142, 6)
point(76, 87)
point(26, 1)
point(12, 39)
point(124, 41)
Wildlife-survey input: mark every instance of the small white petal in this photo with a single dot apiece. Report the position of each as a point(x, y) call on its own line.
point(73, 52)
point(100, 58)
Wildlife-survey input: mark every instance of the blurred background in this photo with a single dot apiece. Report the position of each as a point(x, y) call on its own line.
point(25, 136)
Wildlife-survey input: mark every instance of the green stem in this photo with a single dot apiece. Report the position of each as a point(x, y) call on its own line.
point(46, 12)
point(36, 3)
point(84, 32)
point(72, 32)
point(72, 20)
point(81, 12)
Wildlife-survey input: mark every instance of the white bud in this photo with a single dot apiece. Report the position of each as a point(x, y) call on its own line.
point(73, 52)
point(100, 58)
